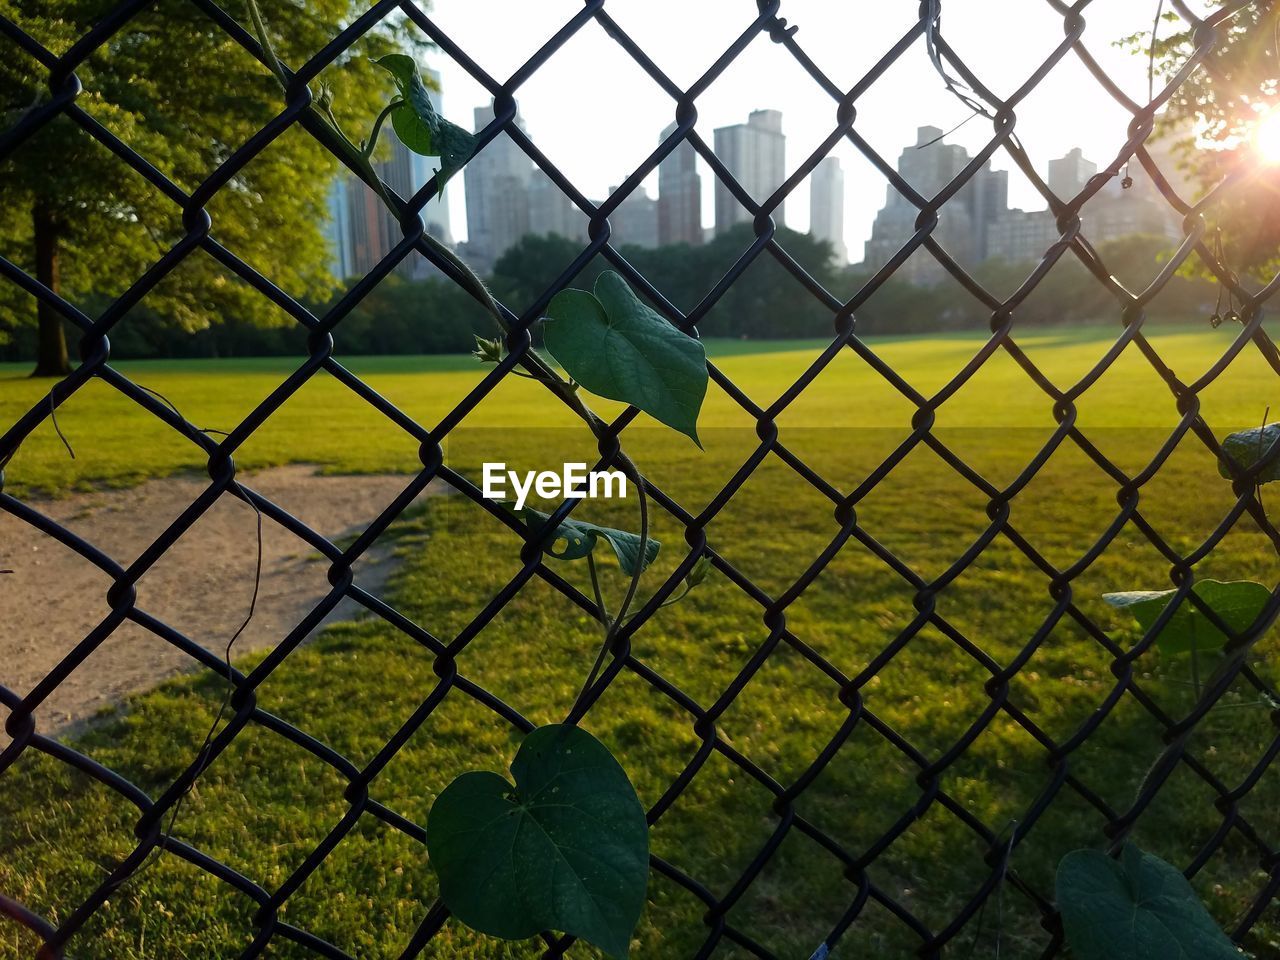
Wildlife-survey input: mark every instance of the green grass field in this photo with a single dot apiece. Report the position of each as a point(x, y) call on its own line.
point(265, 804)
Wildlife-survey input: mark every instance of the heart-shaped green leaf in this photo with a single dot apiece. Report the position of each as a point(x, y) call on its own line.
point(565, 848)
point(1237, 603)
point(580, 538)
point(1139, 908)
point(416, 122)
point(618, 348)
point(1247, 447)
point(418, 125)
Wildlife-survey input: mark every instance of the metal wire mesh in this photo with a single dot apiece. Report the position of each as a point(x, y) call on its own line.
point(858, 865)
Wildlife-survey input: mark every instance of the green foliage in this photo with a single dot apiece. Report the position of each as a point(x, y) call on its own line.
point(530, 265)
point(580, 538)
point(414, 119)
point(413, 316)
point(620, 349)
point(565, 848)
point(1247, 447)
point(765, 302)
point(175, 87)
point(1068, 294)
point(568, 849)
point(1209, 121)
point(1237, 604)
point(418, 125)
point(402, 316)
point(1135, 908)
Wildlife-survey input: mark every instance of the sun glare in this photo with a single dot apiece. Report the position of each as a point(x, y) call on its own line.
point(1266, 137)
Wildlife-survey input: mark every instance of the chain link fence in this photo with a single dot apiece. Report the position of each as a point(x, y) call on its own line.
point(996, 845)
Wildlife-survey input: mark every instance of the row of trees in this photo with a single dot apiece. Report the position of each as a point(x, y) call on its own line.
point(766, 302)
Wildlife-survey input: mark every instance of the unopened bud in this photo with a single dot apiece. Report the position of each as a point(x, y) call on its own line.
point(701, 570)
point(487, 351)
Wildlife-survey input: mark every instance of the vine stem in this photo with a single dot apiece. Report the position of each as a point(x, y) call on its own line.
point(269, 53)
point(612, 624)
point(678, 597)
point(377, 127)
point(595, 585)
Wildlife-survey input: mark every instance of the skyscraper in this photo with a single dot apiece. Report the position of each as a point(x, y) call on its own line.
point(755, 153)
point(635, 221)
point(550, 211)
point(337, 228)
point(928, 166)
point(986, 196)
point(826, 206)
point(679, 195)
point(1069, 174)
point(372, 229)
point(497, 184)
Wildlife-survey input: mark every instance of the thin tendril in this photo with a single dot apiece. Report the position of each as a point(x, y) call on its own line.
point(613, 625)
point(1151, 55)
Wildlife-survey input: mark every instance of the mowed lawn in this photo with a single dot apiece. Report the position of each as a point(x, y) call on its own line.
point(266, 804)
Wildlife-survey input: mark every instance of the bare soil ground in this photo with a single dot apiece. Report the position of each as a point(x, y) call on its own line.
point(202, 586)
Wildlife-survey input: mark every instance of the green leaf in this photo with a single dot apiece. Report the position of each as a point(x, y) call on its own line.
point(1139, 908)
point(418, 125)
point(618, 348)
point(1247, 447)
point(418, 114)
point(580, 538)
point(566, 848)
point(1237, 603)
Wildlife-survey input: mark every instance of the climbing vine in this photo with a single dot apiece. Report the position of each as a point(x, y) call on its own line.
point(1129, 904)
point(583, 868)
point(563, 845)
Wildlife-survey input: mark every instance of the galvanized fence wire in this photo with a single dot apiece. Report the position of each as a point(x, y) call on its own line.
point(23, 709)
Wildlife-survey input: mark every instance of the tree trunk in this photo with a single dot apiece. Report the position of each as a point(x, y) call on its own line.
point(51, 341)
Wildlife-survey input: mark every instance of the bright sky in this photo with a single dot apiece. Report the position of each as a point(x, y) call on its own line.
point(595, 113)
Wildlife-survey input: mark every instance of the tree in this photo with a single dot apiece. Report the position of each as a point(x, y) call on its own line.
point(1211, 119)
point(178, 90)
point(414, 316)
point(530, 265)
point(767, 301)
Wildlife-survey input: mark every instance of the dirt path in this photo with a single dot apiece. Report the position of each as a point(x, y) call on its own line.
point(201, 586)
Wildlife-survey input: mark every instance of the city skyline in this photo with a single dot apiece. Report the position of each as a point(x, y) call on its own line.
point(508, 197)
point(597, 115)
point(977, 224)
